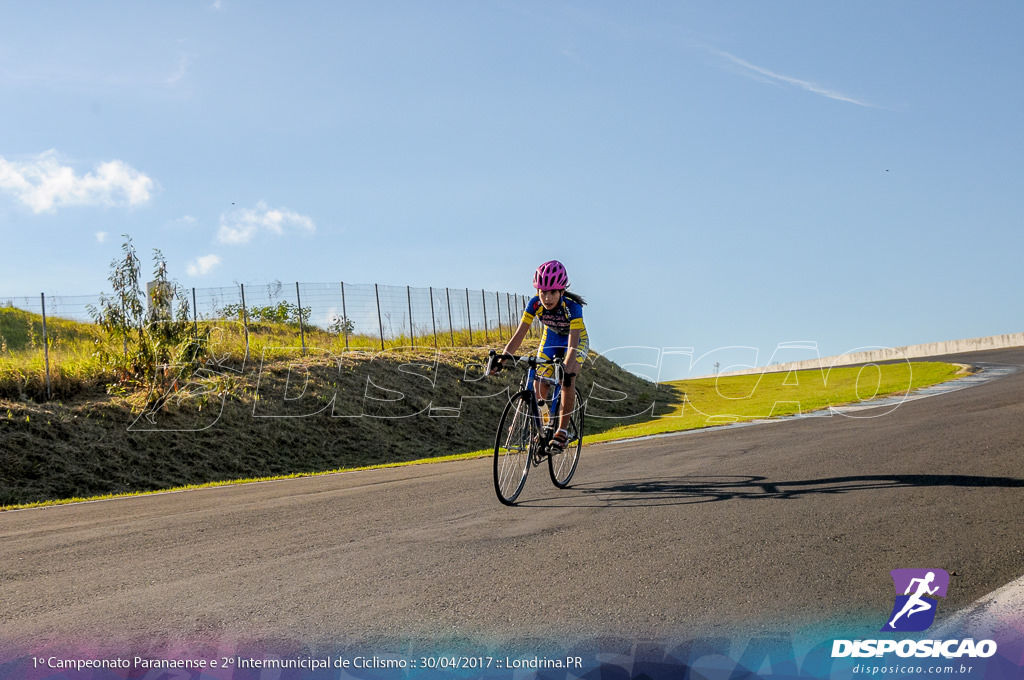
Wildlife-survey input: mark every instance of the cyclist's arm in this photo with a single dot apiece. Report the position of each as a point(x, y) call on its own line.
point(571, 364)
point(517, 338)
point(513, 344)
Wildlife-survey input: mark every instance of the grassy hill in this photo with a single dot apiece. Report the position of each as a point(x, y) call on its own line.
point(283, 411)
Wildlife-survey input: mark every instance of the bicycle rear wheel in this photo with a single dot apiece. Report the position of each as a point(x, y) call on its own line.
point(562, 466)
point(517, 432)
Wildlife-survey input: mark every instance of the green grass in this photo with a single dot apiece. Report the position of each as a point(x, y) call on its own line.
point(74, 368)
point(21, 330)
point(716, 401)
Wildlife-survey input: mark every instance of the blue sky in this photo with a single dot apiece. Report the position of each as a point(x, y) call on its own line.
point(712, 174)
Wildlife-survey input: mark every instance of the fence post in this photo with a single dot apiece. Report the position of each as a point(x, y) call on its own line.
point(497, 311)
point(195, 316)
point(451, 331)
point(245, 323)
point(412, 332)
point(302, 329)
point(483, 301)
point(46, 348)
point(344, 314)
point(433, 322)
point(508, 309)
point(380, 322)
point(522, 303)
point(469, 319)
point(518, 306)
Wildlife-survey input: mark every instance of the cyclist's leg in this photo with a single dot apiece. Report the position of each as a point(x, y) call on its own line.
point(568, 404)
point(546, 351)
point(569, 391)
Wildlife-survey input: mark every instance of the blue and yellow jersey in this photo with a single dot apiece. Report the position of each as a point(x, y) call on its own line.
point(566, 316)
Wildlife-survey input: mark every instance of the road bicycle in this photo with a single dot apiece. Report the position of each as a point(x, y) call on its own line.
point(527, 425)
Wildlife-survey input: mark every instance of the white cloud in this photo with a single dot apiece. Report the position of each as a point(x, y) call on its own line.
point(101, 237)
point(771, 76)
point(241, 226)
point(44, 184)
point(202, 266)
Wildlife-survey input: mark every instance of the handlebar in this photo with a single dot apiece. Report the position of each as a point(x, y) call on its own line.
point(495, 359)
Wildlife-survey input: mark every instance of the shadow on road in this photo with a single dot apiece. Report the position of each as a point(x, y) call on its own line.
point(697, 489)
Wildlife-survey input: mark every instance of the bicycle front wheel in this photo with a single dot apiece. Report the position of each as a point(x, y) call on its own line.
point(562, 466)
point(517, 434)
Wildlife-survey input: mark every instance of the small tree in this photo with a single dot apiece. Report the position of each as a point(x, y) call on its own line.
point(168, 320)
point(122, 314)
point(143, 342)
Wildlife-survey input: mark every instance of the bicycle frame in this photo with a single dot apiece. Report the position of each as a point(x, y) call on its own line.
point(554, 398)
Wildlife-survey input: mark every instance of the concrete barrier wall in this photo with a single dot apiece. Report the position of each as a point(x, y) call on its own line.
point(932, 349)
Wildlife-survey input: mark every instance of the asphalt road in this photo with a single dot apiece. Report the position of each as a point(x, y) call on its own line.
point(776, 526)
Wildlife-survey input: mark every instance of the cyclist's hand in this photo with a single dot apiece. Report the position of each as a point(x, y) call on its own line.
point(494, 364)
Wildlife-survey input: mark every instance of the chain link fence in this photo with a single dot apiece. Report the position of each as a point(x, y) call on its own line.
point(49, 329)
point(371, 314)
point(71, 307)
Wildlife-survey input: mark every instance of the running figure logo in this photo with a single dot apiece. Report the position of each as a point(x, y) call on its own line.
point(915, 598)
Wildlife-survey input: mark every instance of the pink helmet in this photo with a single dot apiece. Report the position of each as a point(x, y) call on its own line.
point(551, 276)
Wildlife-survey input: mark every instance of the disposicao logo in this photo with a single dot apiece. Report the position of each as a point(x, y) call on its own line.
point(916, 603)
point(915, 598)
point(914, 611)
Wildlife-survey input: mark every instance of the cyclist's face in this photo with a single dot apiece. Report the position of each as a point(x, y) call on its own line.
point(550, 298)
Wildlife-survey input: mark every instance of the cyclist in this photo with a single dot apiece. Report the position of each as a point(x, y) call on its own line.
point(565, 335)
